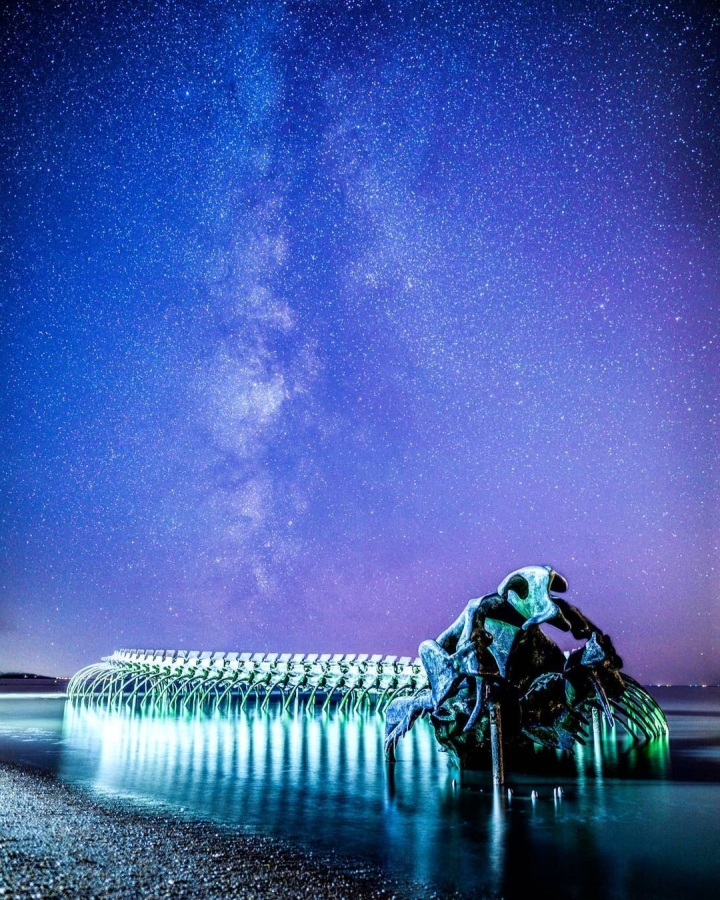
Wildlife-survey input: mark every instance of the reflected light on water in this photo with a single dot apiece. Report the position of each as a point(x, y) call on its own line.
point(496, 843)
point(255, 767)
point(322, 779)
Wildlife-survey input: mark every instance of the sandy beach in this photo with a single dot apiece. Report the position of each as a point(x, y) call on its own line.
point(61, 842)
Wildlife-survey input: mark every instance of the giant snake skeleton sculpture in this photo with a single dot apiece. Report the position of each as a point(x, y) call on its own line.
point(492, 678)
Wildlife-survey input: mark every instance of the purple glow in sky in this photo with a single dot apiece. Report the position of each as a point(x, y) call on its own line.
point(318, 319)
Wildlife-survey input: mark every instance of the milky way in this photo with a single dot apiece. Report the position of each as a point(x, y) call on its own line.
point(318, 319)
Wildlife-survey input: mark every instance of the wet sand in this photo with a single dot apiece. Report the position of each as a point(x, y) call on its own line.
point(58, 841)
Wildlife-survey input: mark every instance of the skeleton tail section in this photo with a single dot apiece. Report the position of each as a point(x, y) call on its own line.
point(638, 712)
point(176, 679)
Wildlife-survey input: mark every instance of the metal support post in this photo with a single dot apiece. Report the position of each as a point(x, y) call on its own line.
point(496, 747)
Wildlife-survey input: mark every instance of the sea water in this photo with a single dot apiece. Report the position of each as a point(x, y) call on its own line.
point(632, 821)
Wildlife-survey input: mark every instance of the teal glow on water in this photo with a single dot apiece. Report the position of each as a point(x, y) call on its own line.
point(633, 822)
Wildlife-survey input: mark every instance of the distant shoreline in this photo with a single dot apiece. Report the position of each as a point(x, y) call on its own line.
point(33, 685)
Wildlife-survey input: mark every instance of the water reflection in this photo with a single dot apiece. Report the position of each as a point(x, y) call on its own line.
point(631, 823)
point(323, 779)
point(628, 825)
point(317, 777)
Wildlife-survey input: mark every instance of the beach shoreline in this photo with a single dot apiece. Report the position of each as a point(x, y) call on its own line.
point(59, 841)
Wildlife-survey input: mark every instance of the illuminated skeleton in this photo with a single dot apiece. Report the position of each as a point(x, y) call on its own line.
point(177, 679)
point(492, 669)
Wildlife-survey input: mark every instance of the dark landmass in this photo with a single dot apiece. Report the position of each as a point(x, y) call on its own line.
point(23, 675)
point(29, 683)
point(58, 842)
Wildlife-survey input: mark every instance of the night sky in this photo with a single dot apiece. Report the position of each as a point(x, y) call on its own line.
point(319, 318)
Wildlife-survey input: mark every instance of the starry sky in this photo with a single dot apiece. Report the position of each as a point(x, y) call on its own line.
point(319, 318)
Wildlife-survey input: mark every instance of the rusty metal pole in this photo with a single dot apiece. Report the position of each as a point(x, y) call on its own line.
point(498, 767)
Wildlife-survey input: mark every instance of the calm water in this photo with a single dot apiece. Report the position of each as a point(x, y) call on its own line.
point(633, 823)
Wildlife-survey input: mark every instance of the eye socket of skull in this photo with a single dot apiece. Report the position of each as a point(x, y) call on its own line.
point(519, 585)
point(558, 583)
